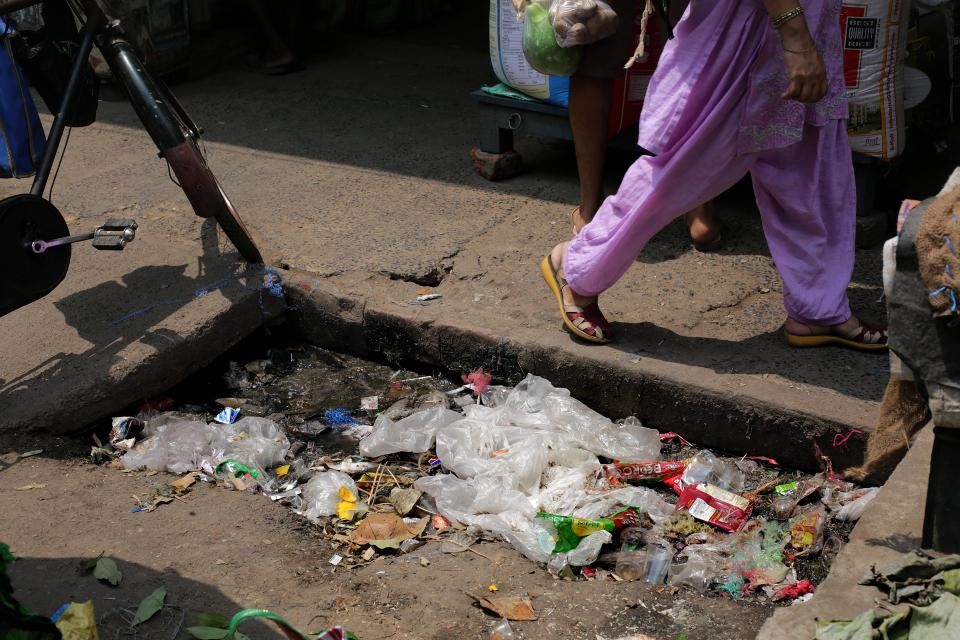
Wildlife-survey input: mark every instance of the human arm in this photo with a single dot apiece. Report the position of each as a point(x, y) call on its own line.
point(805, 68)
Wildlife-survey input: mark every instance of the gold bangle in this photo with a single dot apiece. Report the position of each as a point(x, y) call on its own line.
point(787, 16)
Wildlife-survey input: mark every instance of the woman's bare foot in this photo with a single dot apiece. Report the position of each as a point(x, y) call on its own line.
point(704, 227)
point(854, 333)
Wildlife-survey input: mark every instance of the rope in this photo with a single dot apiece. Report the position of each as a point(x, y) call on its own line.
point(641, 50)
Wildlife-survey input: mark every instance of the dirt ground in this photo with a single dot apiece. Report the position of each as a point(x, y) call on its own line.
point(222, 551)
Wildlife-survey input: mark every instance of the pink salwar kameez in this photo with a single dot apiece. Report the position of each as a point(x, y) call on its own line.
point(713, 113)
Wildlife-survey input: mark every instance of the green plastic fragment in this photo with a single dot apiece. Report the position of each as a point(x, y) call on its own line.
point(787, 487)
point(238, 469)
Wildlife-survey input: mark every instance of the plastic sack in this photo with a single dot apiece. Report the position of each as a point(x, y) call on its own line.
point(580, 22)
point(707, 468)
point(175, 446)
point(322, 494)
point(414, 434)
point(540, 46)
point(254, 442)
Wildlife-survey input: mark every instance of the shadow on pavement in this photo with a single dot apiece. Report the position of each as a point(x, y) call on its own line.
point(44, 584)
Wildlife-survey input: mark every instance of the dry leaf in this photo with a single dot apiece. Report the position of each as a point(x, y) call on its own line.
point(404, 499)
point(508, 607)
point(32, 485)
point(183, 483)
point(386, 527)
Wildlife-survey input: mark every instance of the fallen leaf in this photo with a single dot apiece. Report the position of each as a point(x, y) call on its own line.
point(459, 541)
point(32, 485)
point(183, 483)
point(369, 554)
point(207, 633)
point(403, 500)
point(217, 620)
point(508, 607)
point(108, 571)
point(385, 529)
point(159, 500)
point(492, 588)
point(149, 606)
point(152, 472)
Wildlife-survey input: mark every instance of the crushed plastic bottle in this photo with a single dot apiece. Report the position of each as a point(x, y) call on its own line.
point(707, 468)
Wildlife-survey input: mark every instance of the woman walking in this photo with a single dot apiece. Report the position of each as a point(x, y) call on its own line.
point(745, 86)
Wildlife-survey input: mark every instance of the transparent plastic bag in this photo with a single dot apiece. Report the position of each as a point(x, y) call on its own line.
point(255, 442)
point(580, 22)
point(696, 574)
point(707, 468)
point(176, 447)
point(322, 496)
point(413, 434)
point(852, 511)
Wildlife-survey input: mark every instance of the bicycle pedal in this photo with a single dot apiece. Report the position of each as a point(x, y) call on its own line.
point(115, 234)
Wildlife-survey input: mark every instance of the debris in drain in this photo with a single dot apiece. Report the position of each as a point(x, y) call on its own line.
point(569, 489)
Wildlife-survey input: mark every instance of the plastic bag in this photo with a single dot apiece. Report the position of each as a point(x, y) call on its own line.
point(540, 46)
point(852, 510)
point(414, 434)
point(579, 22)
point(322, 496)
point(255, 442)
point(707, 468)
point(176, 447)
point(696, 574)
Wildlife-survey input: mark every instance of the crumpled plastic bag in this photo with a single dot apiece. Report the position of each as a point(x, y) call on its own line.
point(329, 493)
point(414, 434)
point(255, 441)
point(179, 443)
point(175, 446)
point(579, 22)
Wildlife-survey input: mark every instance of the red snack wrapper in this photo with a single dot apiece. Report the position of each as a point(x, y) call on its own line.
point(642, 472)
point(716, 506)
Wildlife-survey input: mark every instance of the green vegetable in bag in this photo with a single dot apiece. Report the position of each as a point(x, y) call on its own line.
point(540, 44)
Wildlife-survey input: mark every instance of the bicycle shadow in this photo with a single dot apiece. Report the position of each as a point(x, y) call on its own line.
point(186, 599)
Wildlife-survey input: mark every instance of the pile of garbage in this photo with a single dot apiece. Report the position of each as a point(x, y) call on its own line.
point(587, 497)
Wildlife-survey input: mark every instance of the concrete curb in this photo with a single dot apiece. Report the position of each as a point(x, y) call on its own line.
point(703, 415)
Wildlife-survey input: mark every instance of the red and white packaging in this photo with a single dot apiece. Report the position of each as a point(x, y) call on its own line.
point(716, 506)
point(874, 35)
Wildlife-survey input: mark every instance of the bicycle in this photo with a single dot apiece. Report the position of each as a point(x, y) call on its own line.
point(35, 244)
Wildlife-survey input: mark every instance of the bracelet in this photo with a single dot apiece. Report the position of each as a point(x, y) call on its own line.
point(787, 16)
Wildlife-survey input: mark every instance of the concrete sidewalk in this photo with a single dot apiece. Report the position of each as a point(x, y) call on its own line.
point(356, 171)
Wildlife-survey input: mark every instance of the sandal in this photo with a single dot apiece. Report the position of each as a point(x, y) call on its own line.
point(866, 336)
point(587, 322)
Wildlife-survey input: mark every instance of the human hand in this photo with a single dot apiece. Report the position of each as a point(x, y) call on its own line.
point(805, 68)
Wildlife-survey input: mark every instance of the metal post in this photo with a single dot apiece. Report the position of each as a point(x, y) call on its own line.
point(90, 29)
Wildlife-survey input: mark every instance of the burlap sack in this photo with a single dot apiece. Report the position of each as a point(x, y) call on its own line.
point(903, 412)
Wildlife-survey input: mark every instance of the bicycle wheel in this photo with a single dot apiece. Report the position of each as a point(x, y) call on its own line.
point(175, 137)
